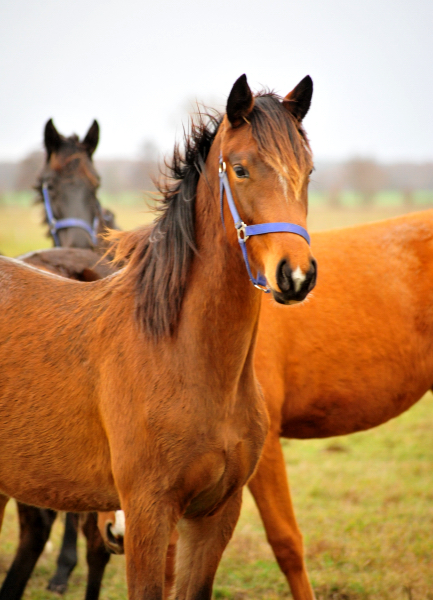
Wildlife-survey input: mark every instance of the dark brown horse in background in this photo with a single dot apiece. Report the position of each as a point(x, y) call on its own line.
point(350, 358)
point(156, 415)
point(72, 190)
point(70, 180)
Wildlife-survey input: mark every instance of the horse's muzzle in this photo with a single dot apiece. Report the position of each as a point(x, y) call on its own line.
point(294, 284)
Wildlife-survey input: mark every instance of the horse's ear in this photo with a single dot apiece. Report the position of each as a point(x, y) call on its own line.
point(299, 99)
point(240, 102)
point(92, 138)
point(52, 138)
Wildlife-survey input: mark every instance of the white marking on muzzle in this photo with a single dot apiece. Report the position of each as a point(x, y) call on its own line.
point(119, 524)
point(298, 278)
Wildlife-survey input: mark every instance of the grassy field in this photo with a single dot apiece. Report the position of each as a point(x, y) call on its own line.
point(364, 502)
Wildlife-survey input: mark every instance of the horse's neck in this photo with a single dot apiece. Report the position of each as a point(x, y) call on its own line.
point(221, 307)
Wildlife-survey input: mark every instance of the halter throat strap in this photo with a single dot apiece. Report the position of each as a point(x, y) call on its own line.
point(54, 224)
point(245, 231)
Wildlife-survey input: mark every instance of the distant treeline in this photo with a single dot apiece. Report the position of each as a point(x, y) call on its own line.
point(365, 176)
point(116, 175)
point(368, 177)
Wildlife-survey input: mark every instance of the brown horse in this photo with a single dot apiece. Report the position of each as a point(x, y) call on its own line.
point(71, 182)
point(35, 523)
point(138, 390)
point(352, 357)
point(67, 187)
point(73, 263)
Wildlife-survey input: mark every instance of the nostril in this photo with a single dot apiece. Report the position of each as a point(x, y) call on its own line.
point(284, 276)
point(312, 274)
point(313, 267)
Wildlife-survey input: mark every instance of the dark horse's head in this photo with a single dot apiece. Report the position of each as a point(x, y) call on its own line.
point(70, 181)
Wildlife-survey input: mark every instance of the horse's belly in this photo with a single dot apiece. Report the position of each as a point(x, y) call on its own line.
point(76, 489)
point(52, 462)
point(327, 416)
point(66, 497)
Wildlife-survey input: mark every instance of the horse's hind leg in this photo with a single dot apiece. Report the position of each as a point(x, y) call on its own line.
point(35, 528)
point(97, 557)
point(270, 489)
point(67, 559)
point(200, 547)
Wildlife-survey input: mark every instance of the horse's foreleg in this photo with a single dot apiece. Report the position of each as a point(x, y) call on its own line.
point(147, 538)
point(200, 547)
point(170, 566)
point(271, 492)
point(35, 528)
point(97, 557)
point(67, 560)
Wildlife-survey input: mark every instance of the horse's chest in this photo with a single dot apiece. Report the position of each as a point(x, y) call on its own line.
point(215, 476)
point(224, 467)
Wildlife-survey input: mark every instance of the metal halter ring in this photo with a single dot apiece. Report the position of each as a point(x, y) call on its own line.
point(241, 231)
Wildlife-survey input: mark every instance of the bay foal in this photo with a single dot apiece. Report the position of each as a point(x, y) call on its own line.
point(352, 357)
point(115, 393)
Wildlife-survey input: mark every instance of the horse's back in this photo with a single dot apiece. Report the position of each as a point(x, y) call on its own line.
point(74, 263)
point(360, 350)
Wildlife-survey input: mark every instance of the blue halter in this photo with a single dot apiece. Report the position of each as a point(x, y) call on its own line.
point(55, 224)
point(245, 231)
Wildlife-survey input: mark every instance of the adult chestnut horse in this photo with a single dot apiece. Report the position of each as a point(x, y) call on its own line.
point(113, 393)
point(352, 357)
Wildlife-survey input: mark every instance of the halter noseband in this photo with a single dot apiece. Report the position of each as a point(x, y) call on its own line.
point(245, 231)
point(55, 224)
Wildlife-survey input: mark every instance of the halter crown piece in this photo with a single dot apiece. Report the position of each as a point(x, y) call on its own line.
point(245, 231)
point(55, 224)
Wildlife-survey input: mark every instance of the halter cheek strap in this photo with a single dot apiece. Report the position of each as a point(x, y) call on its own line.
point(55, 224)
point(245, 231)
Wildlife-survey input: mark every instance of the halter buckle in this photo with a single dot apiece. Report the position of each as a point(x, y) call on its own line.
point(262, 288)
point(222, 166)
point(241, 231)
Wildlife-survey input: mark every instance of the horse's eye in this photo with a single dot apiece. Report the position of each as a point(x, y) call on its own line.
point(240, 172)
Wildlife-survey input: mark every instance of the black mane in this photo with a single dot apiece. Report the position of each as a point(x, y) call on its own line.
point(160, 259)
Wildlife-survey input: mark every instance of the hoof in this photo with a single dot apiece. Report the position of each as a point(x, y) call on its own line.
point(58, 588)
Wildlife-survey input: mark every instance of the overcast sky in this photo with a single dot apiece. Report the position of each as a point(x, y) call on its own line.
point(135, 66)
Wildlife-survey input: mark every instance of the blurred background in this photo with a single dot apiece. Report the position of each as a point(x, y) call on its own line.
point(139, 68)
point(364, 502)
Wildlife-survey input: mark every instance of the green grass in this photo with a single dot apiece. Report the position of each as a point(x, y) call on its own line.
point(21, 228)
point(364, 502)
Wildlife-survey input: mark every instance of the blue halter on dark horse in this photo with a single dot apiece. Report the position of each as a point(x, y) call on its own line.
point(68, 185)
point(56, 224)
